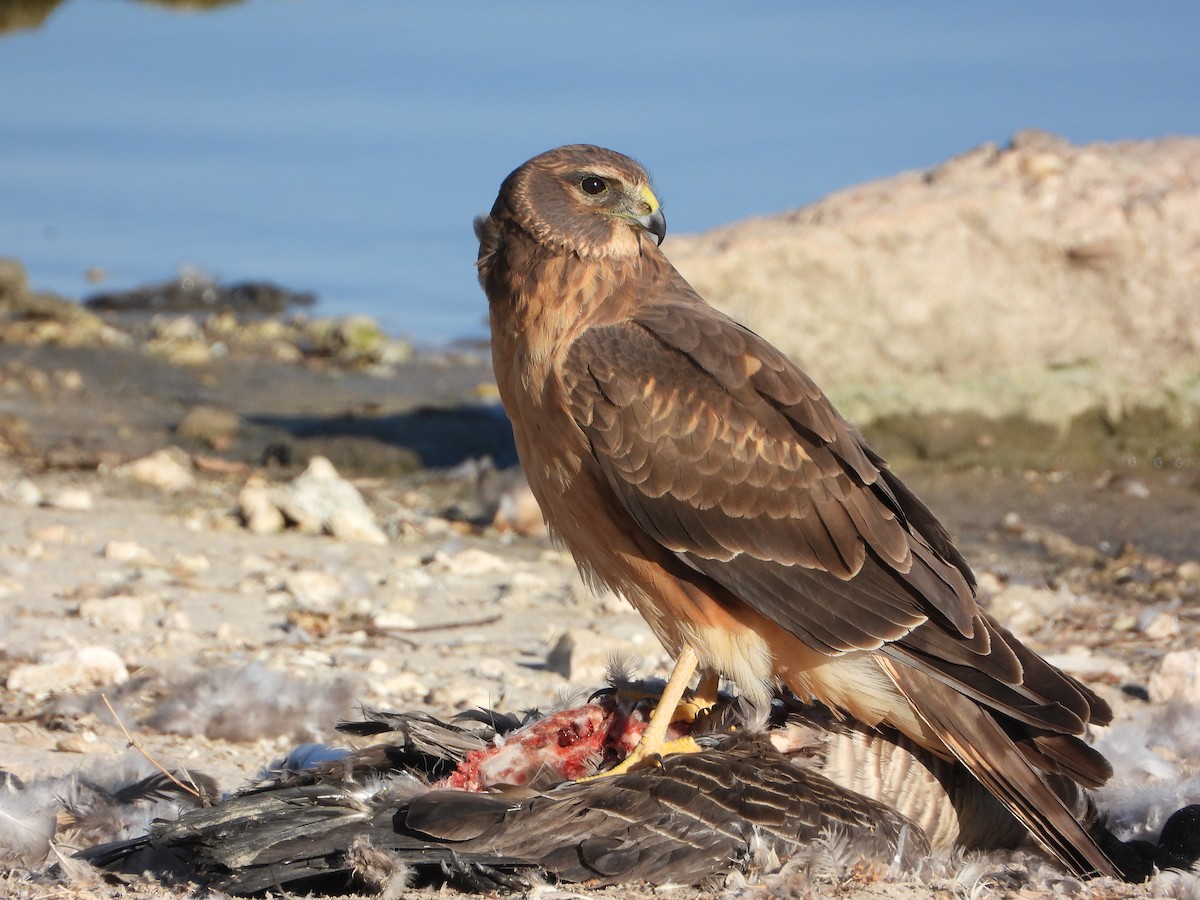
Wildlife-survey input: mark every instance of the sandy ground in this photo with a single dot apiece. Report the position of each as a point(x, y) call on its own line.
point(221, 648)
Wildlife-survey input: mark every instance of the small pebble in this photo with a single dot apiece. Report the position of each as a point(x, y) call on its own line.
point(1025, 609)
point(23, 492)
point(127, 552)
point(1177, 677)
point(50, 534)
point(1188, 571)
point(391, 620)
point(468, 561)
point(320, 500)
point(258, 511)
point(168, 470)
point(71, 499)
point(1087, 664)
point(1162, 627)
point(192, 563)
point(314, 590)
point(69, 670)
point(120, 613)
point(458, 694)
point(80, 742)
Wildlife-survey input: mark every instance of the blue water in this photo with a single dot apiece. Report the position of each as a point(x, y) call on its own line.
point(344, 146)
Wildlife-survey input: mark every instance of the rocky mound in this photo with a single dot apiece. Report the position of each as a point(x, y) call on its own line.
point(1039, 293)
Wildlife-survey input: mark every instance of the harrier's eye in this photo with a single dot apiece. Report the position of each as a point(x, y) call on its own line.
point(593, 185)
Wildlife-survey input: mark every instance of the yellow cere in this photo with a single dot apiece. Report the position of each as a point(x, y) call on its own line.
point(649, 199)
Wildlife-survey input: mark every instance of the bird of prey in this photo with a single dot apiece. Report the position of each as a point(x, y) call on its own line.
point(691, 467)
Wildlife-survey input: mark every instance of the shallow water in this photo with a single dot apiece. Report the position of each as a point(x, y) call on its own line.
point(345, 147)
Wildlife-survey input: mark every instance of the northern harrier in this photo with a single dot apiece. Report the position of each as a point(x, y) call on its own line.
point(693, 468)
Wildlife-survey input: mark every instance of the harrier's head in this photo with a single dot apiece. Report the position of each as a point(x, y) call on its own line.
point(582, 199)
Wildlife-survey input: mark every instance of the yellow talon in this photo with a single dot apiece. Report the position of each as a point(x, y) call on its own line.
point(699, 702)
point(671, 708)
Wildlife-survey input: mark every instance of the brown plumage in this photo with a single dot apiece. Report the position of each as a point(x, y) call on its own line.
point(693, 468)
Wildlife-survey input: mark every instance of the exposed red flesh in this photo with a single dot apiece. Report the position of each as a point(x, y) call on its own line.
point(563, 746)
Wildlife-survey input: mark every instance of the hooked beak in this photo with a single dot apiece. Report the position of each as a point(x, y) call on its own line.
point(655, 223)
point(653, 220)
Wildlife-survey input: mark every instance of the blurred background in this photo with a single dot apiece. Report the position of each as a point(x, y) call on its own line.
point(344, 148)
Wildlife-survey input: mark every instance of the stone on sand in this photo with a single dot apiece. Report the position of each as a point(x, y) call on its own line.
point(320, 500)
point(169, 469)
point(1177, 677)
point(69, 670)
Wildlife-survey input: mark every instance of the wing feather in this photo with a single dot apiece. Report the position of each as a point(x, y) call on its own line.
point(720, 473)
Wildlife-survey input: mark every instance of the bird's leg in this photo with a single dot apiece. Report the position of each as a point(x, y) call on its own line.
point(653, 741)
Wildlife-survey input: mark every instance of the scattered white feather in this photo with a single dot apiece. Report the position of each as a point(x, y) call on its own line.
point(250, 702)
point(1176, 885)
point(27, 822)
point(1155, 756)
point(82, 809)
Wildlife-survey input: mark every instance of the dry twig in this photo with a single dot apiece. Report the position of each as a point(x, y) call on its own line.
point(136, 745)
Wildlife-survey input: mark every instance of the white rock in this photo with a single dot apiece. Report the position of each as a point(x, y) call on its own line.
point(56, 533)
point(489, 667)
point(405, 686)
point(355, 524)
point(320, 500)
point(1162, 626)
point(460, 694)
point(391, 619)
point(71, 499)
point(68, 379)
point(169, 469)
point(469, 561)
point(22, 492)
point(127, 551)
point(69, 670)
point(314, 590)
point(972, 246)
point(527, 582)
point(274, 599)
point(1085, 664)
point(1025, 609)
point(259, 511)
point(192, 563)
point(120, 613)
point(83, 742)
point(1177, 677)
point(410, 580)
point(177, 622)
